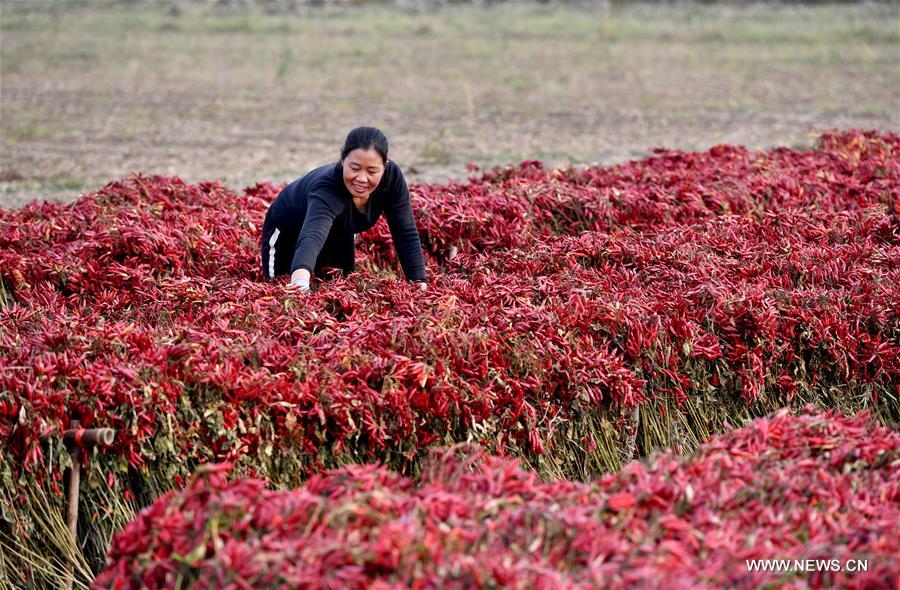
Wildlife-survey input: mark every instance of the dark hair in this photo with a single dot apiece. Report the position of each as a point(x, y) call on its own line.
point(366, 138)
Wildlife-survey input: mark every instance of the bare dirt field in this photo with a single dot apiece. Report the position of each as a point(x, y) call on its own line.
point(95, 92)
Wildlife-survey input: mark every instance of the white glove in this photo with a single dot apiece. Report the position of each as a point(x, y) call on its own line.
point(301, 283)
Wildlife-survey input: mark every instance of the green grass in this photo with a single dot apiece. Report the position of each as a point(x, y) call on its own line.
point(66, 184)
point(115, 31)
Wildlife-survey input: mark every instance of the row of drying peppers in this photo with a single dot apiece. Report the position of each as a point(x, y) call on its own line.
point(816, 489)
point(516, 339)
point(136, 308)
point(165, 227)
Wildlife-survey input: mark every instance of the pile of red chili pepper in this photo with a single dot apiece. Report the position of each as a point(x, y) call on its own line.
point(816, 488)
point(698, 287)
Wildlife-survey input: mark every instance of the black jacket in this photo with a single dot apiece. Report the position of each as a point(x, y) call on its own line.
point(319, 204)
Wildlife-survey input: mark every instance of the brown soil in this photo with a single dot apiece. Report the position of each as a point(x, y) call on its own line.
point(173, 97)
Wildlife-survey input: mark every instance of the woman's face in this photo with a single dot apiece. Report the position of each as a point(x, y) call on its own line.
point(363, 170)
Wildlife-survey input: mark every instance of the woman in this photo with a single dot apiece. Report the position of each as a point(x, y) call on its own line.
point(312, 224)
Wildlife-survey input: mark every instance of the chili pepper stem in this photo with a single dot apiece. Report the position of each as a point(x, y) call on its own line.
point(5, 298)
point(629, 448)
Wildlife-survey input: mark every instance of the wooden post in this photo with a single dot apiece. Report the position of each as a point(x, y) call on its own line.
point(77, 438)
point(74, 483)
point(72, 512)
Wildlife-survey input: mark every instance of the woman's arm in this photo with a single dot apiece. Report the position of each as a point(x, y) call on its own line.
point(407, 244)
point(320, 215)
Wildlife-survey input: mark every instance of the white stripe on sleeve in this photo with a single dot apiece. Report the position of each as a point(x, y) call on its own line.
point(272, 241)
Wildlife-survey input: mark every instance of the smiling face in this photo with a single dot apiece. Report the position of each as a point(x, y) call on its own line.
point(363, 170)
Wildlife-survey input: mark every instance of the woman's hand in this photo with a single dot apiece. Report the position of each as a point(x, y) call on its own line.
point(300, 280)
point(422, 285)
